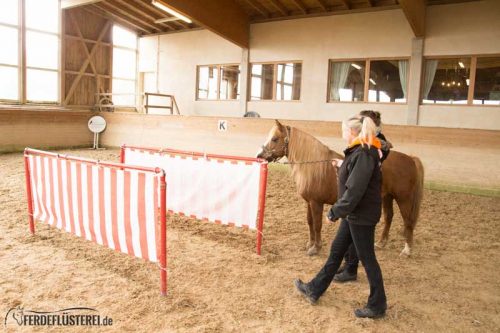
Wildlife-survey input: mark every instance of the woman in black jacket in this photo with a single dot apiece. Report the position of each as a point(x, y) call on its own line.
point(359, 208)
point(349, 271)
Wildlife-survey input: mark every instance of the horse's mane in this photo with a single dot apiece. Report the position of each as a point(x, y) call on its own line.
point(304, 147)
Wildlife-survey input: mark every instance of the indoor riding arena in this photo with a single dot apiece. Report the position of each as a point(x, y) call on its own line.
point(153, 156)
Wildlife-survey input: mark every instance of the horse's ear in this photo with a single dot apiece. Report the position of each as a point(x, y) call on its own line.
point(278, 123)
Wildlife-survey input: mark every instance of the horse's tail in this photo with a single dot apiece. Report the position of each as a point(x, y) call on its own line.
point(418, 192)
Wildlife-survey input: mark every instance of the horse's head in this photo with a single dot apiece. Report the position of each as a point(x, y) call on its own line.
point(276, 145)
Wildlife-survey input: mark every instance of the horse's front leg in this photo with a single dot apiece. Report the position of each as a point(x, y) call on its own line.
point(317, 216)
point(310, 223)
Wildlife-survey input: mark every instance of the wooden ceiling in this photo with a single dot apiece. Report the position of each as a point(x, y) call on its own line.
point(140, 15)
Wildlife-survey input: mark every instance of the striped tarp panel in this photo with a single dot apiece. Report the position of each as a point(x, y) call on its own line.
point(217, 190)
point(112, 207)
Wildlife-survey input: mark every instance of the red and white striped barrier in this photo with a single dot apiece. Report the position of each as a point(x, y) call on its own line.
point(221, 189)
point(115, 205)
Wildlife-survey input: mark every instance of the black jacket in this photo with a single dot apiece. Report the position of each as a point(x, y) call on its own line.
point(385, 146)
point(359, 187)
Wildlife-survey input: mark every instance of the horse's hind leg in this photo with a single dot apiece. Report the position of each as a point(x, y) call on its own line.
point(409, 224)
point(317, 215)
point(388, 210)
point(310, 222)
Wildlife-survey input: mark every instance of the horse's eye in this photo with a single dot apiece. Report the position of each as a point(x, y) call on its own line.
point(274, 140)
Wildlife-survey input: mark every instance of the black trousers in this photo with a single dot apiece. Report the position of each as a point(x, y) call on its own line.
point(351, 260)
point(363, 239)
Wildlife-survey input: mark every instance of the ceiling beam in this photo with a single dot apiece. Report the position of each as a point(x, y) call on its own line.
point(149, 7)
point(300, 5)
point(110, 16)
point(223, 17)
point(139, 13)
point(126, 15)
point(257, 6)
point(279, 6)
point(346, 4)
point(65, 4)
point(323, 5)
point(414, 11)
point(149, 11)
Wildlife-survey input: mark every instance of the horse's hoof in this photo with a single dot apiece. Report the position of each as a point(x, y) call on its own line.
point(406, 251)
point(313, 250)
point(309, 245)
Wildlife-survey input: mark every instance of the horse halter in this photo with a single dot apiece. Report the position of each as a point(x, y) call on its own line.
point(285, 146)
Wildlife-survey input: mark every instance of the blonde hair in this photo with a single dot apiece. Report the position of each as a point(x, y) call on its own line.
point(364, 127)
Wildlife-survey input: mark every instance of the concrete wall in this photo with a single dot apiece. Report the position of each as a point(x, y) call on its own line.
point(43, 129)
point(459, 29)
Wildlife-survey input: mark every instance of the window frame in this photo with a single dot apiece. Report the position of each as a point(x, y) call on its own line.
point(22, 66)
point(113, 77)
point(367, 79)
point(219, 79)
point(275, 80)
point(472, 78)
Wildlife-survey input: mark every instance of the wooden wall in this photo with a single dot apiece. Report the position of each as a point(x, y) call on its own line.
point(245, 135)
point(43, 129)
point(87, 57)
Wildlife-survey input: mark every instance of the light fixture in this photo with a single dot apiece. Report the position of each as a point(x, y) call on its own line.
point(461, 64)
point(356, 66)
point(458, 84)
point(467, 81)
point(373, 82)
point(442, 83)
point(170, 11)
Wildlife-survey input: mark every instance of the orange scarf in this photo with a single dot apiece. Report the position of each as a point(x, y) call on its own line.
point(376, 143)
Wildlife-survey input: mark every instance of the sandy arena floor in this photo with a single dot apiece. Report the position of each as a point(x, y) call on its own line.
point(217, 282)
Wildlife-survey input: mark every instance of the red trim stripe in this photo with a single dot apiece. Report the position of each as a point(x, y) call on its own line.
point(114, 210)
point(90, 200)
point(70, 197)
point(62, 194)
point(102, 206)
point(127, 219)
point(79, 193)
point(42, 191)
point(141, 210)
point(34, 175)
point(52, 197)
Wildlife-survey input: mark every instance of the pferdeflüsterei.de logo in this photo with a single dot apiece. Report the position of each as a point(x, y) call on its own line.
point(78, 316)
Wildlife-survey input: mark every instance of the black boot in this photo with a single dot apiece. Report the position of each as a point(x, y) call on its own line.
point(369, 313)
point(345, 276)
point(306, 291)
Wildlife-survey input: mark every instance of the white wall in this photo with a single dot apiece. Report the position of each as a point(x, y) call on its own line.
point(178, 57)
point(459, 29)
point(316, 40)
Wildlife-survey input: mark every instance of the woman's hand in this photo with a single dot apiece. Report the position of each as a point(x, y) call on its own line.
point(337, 163)
point(331, 216)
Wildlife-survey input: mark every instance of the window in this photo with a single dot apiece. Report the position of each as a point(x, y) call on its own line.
point(218, 82)
point(446, 81)
point(40, 27)
point(124, 67)
point(462, 80)
point(387, 81)
point(487, 81)
point(278, 82)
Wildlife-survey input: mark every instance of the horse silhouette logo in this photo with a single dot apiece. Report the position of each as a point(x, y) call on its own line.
point(17, 314)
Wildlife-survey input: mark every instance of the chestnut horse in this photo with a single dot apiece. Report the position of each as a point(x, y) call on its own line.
point(316, 180)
